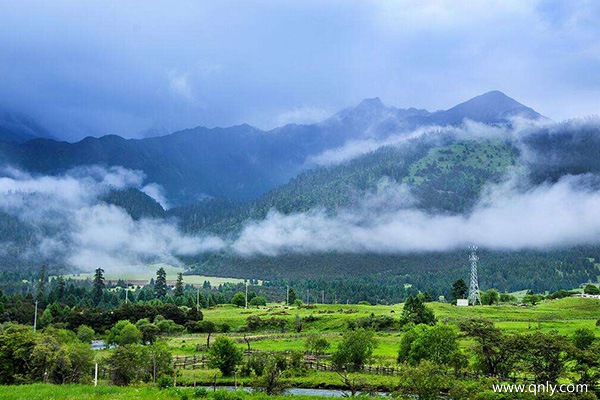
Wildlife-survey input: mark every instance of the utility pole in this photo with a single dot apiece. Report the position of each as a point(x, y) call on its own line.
point(246, 294)
point(35, 317)
point(287, 295)
point(307, 296)
point(126, 294)
point(96, 375)
point(323, 297)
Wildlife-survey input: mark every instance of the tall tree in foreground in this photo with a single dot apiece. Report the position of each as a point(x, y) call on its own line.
point(98, 286)
point(160, 285)
point(179, 285)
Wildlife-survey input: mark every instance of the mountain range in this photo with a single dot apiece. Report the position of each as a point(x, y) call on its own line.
point(239, 162)
point(221, 180)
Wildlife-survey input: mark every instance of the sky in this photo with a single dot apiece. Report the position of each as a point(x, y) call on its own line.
point(153, 67)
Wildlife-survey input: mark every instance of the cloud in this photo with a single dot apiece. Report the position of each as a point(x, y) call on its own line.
point(302, 115)
point(433, 134)
point(157, 192)
point(507, 217)
point(67, 64)
point(180, 86)
point(73, 227)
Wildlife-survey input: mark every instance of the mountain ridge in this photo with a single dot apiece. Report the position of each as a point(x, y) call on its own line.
point(241, 161)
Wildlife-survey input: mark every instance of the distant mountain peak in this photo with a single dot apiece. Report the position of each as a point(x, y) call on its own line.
point(490, 107)
point(373, 102)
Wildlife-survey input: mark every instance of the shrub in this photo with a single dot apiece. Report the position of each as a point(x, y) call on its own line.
point(591, 289)
point(164, 382)
point(258, 301)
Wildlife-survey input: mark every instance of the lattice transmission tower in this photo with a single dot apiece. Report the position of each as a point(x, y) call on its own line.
point(474, 294)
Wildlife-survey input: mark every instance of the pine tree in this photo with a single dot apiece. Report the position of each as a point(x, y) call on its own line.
point(292, 296)
point(179, 285)
point(459, 290)
point(160, 285)
point(98, 286)
point(41, 286)
point(60, 288)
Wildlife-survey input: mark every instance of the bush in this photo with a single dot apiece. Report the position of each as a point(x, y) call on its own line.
point(258, 301)
point(164, 382)
point(227, 395)
point(591, 289)
point(316, 345)
point(200, 392)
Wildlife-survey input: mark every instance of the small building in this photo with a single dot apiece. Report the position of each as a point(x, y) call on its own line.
point(462, 302)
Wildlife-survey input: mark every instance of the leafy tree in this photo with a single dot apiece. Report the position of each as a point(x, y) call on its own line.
point(355, 349)
point(178, 292)
point(490, 297)
point(148, 330)
point(98, 286)
point(258, 301)
point(85, 334)
point(532, 298)
point(158, 359)
point(583, 338)
point(496, 353)
point(160, 285)
point(591, 289)
point(270, 380)
point(544, 355)
point(436, 344)
point(426, 381)
point(239, 299)
point(16, 346)
point(225, 355)
point(124, 333)
point(417, 312)
point(127, 365)
point(459, 290)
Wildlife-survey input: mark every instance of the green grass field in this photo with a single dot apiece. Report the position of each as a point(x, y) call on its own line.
point(564, 315)
point(142, 274)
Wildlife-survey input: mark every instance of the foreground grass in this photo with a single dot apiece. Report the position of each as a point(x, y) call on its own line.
point(41, 391)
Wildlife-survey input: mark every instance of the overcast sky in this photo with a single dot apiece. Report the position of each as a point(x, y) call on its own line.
point(126, 67)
